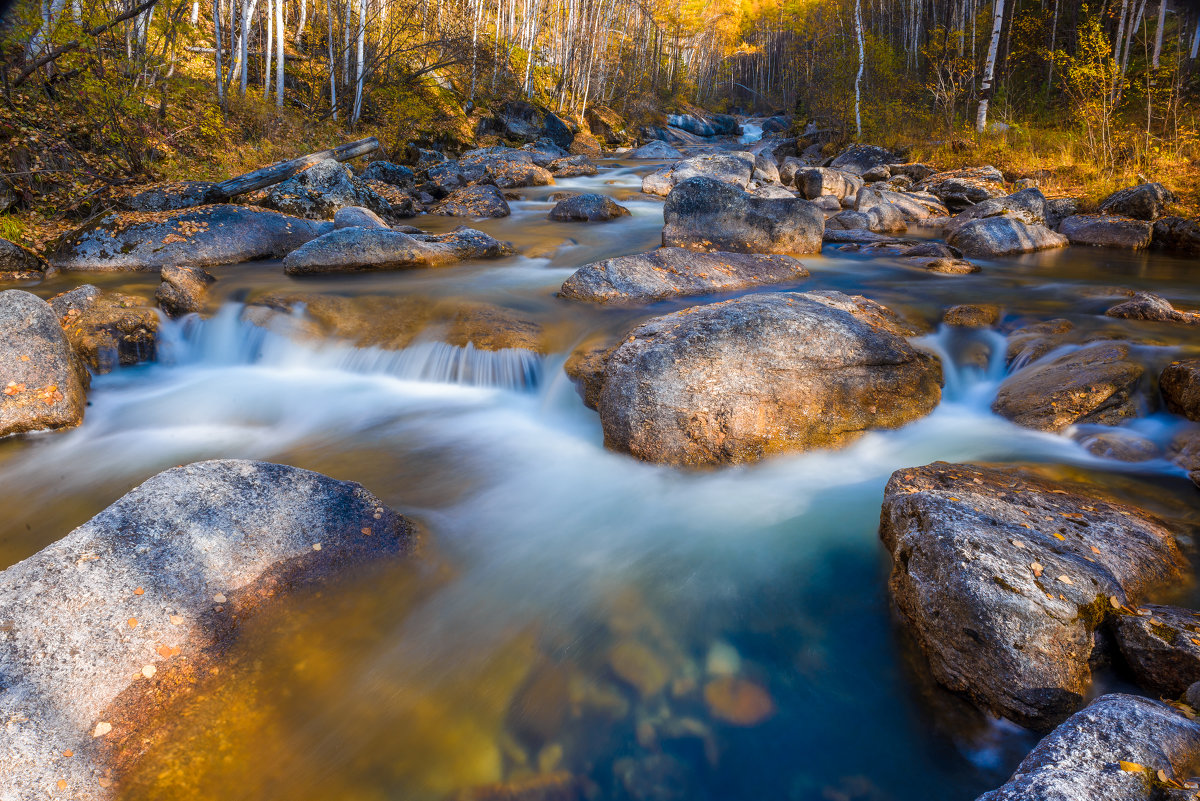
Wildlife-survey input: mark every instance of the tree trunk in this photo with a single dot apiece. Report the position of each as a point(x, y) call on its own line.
point(268, 51)
point(1158, 37)
point(333, 102)
point(358, 70)
point(989, 69)
point(269, 176)
point(861, 64)
point(279, 65)
point(220, 73)
point(300, 25)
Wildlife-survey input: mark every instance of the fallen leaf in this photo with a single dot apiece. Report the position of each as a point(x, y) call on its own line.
point(62, 784)
point(149, 670)
point(132, 622)
point(220, 598)
point(139, 591)
point(1095, 549)
point(68, 753)
point(102, 728)
point(176, 619)
point(316, 546)
point(1059, 536)
point(1065, 580)
point(1162, 775)
point(1131, 767)
point(1036, 568)
point(1115, 601)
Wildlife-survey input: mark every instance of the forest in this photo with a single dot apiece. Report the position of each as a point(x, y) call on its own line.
point(111, 92)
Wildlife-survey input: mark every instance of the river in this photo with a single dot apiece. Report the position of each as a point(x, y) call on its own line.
point(547, 560)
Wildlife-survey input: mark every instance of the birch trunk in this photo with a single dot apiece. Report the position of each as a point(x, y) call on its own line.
point(220, 73)
point(1158, 37)
point(300, 25)
point(861, 63)
point(989, 69)
point(279, 41)
point(358, 72)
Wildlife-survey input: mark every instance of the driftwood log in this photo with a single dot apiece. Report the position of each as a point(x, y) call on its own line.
point(269, 176)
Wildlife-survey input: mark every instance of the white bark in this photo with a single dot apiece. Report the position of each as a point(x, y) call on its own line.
point(268, 51)
point(220, 74)
point(861, 63)
point(989, 69)
point(195, 18)
point(1196, 39)
point(300, 24)
point(279, 55)
point(332, 66)
point(358, 72)
point(1158, 37)
point(50, 11)
point(248, 7)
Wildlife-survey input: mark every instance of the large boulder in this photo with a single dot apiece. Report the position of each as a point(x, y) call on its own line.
point(371, 249)
point(106, 626)
point(19, 263)
point(1096, 384)
point(42, 381)
point(318, 192)
point(202, 237)
point(1099, 230)
point(1141, 202)
point(674, 272)
point(1027, 206)
point(1180, 385)
point(1111, 751)
point(572, 167)
point(730, 168)
point(506, 167)
point(813, 182)
point(707, 214)
point(881, 219)
point(107, 329)
point(1003, 579)
point(1161, 646)
point(655, 150)
point(993, 237)
point(184, 290)
point(859, 159)
point(590, 207)
point(396, 175)
point(763, 374)
point(1177, 235)
point(606, 125)
point(481, 200)
point(959, 189)
point(913, 206)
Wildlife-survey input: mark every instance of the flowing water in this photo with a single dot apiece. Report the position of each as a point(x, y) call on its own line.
point(573, 610)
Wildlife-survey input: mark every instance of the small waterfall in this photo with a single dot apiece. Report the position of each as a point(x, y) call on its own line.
point(227, 339)
point(973, 362)
point(751, 132)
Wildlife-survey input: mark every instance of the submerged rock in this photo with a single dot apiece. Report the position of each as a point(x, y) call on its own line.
point(44, 382)
point(107, 329)
point(362, 249)
point(1110, 751)
point(1177, 235)
point(1096, 384)
point(19, 263)
point(119, 617)
point(993, 237)
point(1161, 645)
point(1003, 579)
point(763, 374)
point(706, 214)
point(589, 207)
point(673, 272)
point(184, 290)
point(1142, 202)
point(739, 702)
point(482, 200)
point(972, 315)
point(202, 237)
point(1153, 308)
point(1099, 230)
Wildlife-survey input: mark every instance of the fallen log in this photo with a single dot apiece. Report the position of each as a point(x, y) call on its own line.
point(269, 176)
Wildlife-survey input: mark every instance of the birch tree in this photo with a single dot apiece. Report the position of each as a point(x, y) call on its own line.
point(989, 69)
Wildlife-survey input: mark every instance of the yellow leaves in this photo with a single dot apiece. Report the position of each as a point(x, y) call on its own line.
point(1095, 549)
point(1065, 579)
point(1037, 569)
point(1059, 536)
point(166, 651)
point(132, 622)
point(14, 388)
point(68, 753)
point(1114, 602)
point(139, 591)
point(49, 394)
point(61, 784)
point(1131, 767)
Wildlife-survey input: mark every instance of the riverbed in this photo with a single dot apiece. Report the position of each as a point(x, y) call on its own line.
point(558, 581)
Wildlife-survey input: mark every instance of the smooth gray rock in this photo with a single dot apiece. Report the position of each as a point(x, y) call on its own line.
point(572, 167)
point(1103, 231)
point(203, 237)
point(395, 174)
point(1142, 202)
point(1177, 235)
point(994, 237)
point(591, 207)
point(370, 249)
point(483, 200)
point(358, 217)
point(1058, 209)
point(1003, 578)
point(959, 189)
point(766, 171)
point(913, 207)
point(1096, 384)
point(1027, 206)
point(107, 329)
point(859, 159)
point(707, 214)
point(675, 272)
point(882, 219)
point(89, 626)
point(1153, 308)
point(654, 151)
point(762, 374)
point(1081, 759)
point(184, 290)
point(813, 182)
point(42, 382)
point(168, 196)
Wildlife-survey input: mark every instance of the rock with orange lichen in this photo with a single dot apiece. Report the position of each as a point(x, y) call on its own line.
point(42, 382)
point(107, 329)
point(738, 701)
